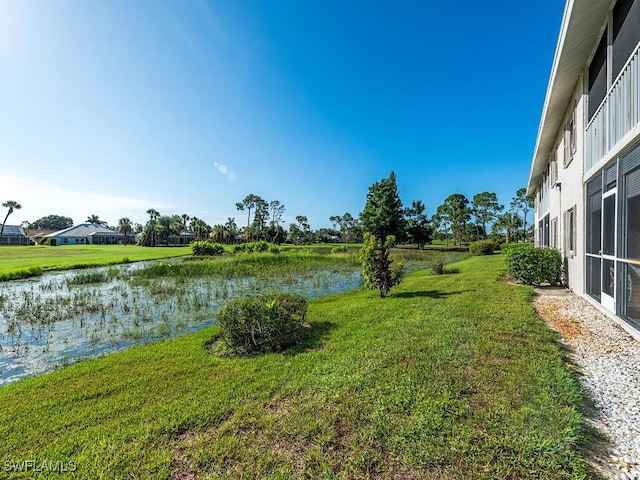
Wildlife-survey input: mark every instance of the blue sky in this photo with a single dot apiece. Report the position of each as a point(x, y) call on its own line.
point(114, 107)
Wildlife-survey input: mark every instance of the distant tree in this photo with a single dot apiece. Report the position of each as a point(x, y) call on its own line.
point(149, 234)
point(507, 224)
point(418, 228)
point(11, 205)
point(153, 214)
point(249, 203)
point(217, 233)
point(200, 228)
point(175, 227)
point(160, 230)
point(95, 220)
point(522, 202)
point(185, 221)
point(441, 224)
point(383, 215)
point(231, 229)
point(300, 232)
point(125, 226)
point(455, 212)
point(51, 222)
point(486, 209)
point(260, 217)
point(276, 212)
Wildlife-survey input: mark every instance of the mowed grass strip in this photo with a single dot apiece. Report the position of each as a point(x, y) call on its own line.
point(19, 261)
point(449, 377)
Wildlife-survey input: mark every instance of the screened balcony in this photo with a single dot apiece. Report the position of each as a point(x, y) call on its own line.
point(618, 113)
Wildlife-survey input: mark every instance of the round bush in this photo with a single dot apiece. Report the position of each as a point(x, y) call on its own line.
point(263, 323)
point(482, 247)
point(207, 248)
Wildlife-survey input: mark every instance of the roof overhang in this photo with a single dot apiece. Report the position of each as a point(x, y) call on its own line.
point(582, 25)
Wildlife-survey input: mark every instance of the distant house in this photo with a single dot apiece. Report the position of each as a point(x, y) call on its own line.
point(585, 173)
point(14, 235)
point(88, 234)
point(35, 235)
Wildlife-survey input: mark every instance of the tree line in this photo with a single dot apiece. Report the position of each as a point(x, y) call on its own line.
point(457, 220)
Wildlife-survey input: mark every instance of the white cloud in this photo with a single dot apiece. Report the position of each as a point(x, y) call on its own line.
point(40, 198)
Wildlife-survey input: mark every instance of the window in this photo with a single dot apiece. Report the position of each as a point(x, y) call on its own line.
point(594, 215)
point(570, 232)
point(554, 170)
point(543, 232)
point(570, 140)
point(631, 217)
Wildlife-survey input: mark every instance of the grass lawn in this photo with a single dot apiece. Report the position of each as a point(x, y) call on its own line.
point(449, 377)
point(20, 261)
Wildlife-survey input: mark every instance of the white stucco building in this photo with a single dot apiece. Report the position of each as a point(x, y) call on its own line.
point(585, 173)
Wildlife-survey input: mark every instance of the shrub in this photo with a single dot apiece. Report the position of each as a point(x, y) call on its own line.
point(534, 266)
point(340, 249)
point(260, 246)
point(437, 266)
point(376, 265)
point(274, 248)
point(509, 247)
point(206, 248)
point(482, 247)
point(263, 323)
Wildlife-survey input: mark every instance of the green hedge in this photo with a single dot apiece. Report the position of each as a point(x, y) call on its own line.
point(535, 265)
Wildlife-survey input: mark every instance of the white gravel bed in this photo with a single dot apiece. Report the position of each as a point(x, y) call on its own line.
point(609, 360)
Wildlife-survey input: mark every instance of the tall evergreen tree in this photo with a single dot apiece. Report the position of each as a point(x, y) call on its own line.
point(383, 214)
point(418, 228)
point(522, 202)
point(486, 208)
point(455, 212)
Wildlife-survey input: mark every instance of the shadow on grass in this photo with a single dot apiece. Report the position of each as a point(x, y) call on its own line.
point(435, 294)
point(319, 332)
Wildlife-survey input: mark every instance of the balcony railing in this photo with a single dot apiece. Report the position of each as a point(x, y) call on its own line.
point(618, 113)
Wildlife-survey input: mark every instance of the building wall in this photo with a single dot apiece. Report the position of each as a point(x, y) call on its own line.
point(563, 190)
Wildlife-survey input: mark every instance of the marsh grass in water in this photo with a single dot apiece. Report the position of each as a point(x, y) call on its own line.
point(245, 264)
point(76, 315)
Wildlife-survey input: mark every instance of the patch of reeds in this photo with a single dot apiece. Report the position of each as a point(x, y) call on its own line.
point(20, 274)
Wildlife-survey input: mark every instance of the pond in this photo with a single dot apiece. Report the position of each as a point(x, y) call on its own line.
point(64, 317)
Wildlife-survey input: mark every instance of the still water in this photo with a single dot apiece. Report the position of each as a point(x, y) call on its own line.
point(60, 318)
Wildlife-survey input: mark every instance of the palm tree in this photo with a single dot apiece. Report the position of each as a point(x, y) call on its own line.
point(153, 214)
point(231, 228)
point(11, 205)
point(158, 229)
point(175, 227)
point(125, 226)
point(95, 220)
point(217, 233)
point(185, 219)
